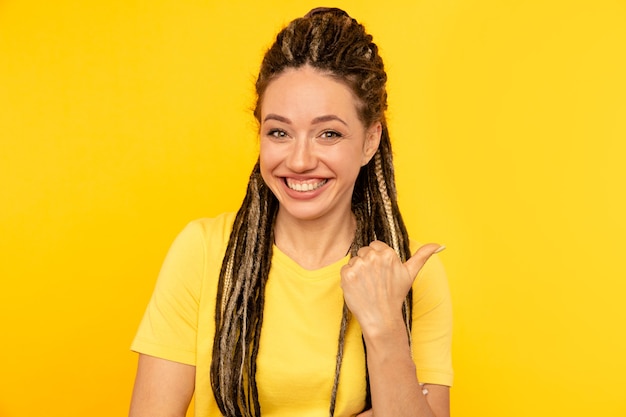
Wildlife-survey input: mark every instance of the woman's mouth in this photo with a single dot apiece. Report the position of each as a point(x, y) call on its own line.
point(304, 186)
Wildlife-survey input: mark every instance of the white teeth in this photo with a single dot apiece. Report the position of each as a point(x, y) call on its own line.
point(305, 186)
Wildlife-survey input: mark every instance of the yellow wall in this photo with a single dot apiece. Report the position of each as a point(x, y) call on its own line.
point(122, 120)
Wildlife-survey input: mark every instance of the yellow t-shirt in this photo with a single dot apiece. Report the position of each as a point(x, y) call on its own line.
point(301, 319)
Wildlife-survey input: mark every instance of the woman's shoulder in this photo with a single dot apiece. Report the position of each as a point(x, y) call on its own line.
point(197, 251)
point(205, 238)
point(213, 229)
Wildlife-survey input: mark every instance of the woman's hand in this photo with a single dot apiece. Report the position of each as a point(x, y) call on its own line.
point(376, 282)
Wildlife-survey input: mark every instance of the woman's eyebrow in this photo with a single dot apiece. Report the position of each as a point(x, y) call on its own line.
point(273, 116)
point(328, 118)
point(319, 119)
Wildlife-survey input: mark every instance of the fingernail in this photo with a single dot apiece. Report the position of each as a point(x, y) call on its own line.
point(441, 248)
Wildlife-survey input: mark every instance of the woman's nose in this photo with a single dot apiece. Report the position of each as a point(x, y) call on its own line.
point(301, 157)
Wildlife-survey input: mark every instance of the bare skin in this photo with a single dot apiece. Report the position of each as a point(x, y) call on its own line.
point(375, 284)
point(162, 388)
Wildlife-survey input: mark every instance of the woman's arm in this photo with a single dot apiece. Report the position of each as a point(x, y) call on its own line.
point(375, 284)
point(394, 386)
point(162, 388)
point(438, 400)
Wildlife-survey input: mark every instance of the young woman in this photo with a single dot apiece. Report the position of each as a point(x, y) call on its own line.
point(311, 300)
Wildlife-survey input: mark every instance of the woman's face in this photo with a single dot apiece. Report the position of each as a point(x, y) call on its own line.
point(313, 143)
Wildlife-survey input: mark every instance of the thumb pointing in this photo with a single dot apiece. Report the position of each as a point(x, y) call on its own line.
point(415, 263)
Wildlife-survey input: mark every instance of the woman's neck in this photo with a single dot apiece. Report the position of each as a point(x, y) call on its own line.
point(314, 244)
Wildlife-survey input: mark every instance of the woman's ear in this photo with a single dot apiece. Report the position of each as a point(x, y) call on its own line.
point(372, 140)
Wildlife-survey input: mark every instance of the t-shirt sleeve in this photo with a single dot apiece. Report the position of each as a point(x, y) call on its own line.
point(169, 326)
point(432, 324)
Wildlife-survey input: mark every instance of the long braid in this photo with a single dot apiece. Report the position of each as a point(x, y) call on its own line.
point(239, 310)
point(332, 42)
point(386, 184)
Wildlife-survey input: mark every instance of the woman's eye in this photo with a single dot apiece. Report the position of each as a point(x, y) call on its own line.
point(277, 133)
point(331, 134)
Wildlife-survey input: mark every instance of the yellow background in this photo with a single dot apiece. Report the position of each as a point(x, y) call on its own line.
point(122, 120)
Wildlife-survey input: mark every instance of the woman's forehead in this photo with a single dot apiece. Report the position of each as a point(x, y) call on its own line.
point(309, 92)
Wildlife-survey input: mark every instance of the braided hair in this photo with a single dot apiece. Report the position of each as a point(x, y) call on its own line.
point(330, 40)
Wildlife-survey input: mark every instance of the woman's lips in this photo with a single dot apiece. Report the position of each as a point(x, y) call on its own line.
point(304, 185)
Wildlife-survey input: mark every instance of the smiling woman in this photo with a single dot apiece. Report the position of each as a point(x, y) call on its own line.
point(311, 299)
point(313, 145)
